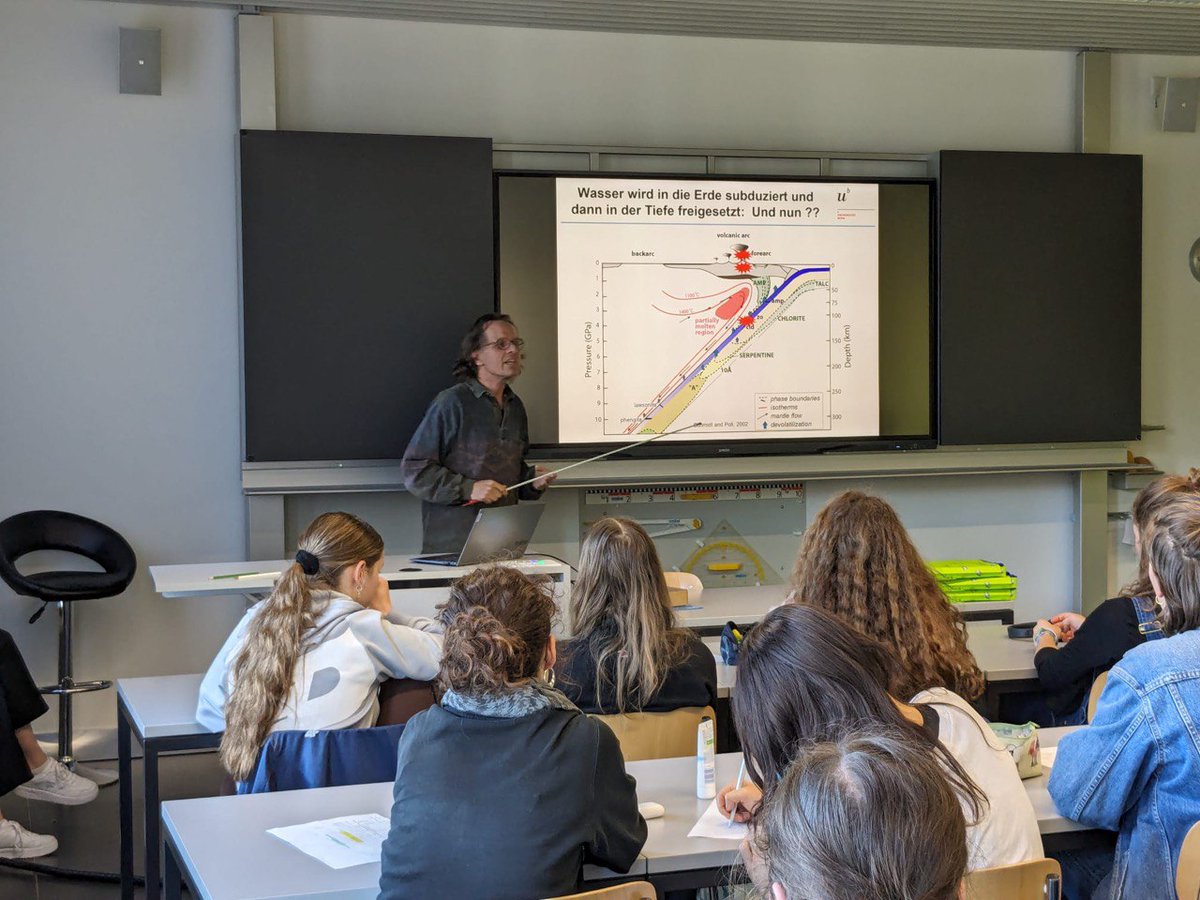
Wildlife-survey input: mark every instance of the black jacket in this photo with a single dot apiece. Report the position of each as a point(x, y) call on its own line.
point(1066, 674)
point(508, 809)
point(691, 682)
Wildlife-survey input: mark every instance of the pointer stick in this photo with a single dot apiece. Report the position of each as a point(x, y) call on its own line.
point(653, 437)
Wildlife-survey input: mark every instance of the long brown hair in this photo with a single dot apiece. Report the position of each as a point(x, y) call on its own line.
point(858, 562)
point(497, 623)
point(1146, 505)
point(265, 668)
point(866, 814)
point(620, 608)
point(803, 674)
point(1174, 552)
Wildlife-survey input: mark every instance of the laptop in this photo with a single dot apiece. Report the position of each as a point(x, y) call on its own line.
point(498, 532)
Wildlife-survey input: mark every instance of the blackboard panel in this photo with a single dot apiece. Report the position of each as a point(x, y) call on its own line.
point(1040, 297)
point(364, 260)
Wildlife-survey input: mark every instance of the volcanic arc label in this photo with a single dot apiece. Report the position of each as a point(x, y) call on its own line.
point(714, 313)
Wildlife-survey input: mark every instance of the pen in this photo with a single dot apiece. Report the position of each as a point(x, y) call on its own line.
point(237, 575)
point(741, 775)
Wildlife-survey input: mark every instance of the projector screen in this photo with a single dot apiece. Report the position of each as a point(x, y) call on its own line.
point(754, 315)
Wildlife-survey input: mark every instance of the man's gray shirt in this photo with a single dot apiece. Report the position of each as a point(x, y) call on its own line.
point(466, 436)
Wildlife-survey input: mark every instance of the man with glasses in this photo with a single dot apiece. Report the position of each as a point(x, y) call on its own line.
point(473, 439)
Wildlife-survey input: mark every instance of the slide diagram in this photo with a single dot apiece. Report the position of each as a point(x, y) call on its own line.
point(727, 337)
point(738, 330)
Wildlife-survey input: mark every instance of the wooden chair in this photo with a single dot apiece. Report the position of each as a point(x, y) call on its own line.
point(684, 587)
point(1187, 873)
point(658, 735)
point(633, 890)
point(1094, 694)
point(1030, 880)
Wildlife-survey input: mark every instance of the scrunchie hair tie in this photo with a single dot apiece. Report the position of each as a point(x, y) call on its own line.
point(309, 563)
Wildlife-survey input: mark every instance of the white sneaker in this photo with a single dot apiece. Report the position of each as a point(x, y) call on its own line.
point(55, 783)
point(17, 843)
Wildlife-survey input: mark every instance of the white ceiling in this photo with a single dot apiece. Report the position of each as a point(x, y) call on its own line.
point(1147, 26)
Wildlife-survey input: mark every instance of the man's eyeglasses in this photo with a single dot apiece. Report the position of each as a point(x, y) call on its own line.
point(504, 343)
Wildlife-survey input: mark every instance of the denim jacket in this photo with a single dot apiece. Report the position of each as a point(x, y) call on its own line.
point(1136, 768)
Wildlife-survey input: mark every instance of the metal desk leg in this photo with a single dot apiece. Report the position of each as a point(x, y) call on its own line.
point(153, 816)
point(125, 798)
point(172, 887)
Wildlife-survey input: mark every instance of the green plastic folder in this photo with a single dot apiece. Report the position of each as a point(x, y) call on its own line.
point(974, 580)
point(959, 568)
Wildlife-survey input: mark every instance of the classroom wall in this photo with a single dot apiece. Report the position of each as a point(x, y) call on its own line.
point(1170, 295)
point(118, 254)
point(558, 87)
point(543, 86)
point(119, 392)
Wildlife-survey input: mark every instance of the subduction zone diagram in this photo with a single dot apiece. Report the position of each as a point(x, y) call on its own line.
point(740, 329)
point(713, 330)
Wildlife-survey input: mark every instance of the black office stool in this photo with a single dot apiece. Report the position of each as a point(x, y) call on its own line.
point(51, 530)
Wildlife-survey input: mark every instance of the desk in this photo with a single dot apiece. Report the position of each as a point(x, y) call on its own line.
point(161, 712)
point(747, 605)
point(676, 862)
point(196, 579)
point(220, 846)
point(1007, 663)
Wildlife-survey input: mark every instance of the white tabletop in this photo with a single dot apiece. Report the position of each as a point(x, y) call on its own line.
point(224, 845)
point(1050, 820)
point(196, 579)
point(749, 604)
point(672, 782)
point(162, 705)
point(737, 604)
point(999, 657)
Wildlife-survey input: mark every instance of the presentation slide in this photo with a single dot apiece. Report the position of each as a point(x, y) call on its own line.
point(708, 310)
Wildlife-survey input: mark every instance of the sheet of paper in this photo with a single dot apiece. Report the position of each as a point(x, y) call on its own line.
point(1047, 756)
point(339, 843)
point(714, 825)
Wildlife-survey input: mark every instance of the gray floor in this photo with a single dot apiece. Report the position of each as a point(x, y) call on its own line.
point(89, 835)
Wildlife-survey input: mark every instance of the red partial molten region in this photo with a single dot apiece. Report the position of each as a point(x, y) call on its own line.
point(734, 302)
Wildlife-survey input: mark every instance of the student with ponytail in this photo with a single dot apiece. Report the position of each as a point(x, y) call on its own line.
point(1136, 768)
point(312, 655)
point(504, 789)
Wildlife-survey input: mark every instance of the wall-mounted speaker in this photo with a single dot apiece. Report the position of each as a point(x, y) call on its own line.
point(140, 61)
point(1176, 100)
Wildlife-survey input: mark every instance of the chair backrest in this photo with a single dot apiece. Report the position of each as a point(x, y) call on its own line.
point(1187, 873)
point(297, 760)
point(658, 735)
point(51, 529)
point(684, 587)
point(632, 890)
point(1094, 694)
point(1020, 881)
